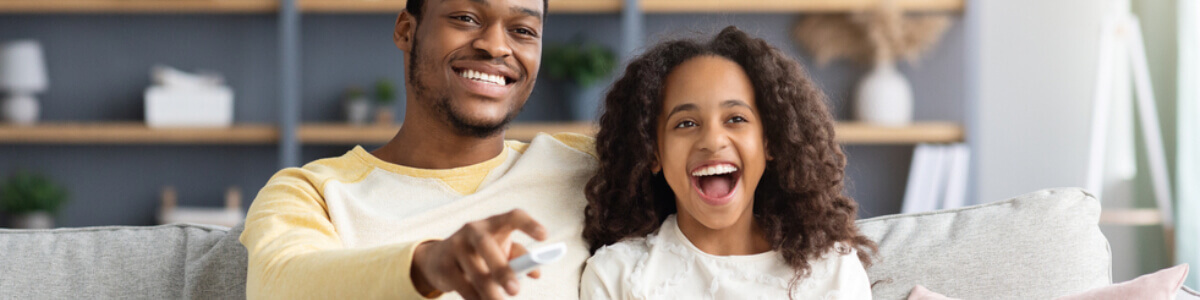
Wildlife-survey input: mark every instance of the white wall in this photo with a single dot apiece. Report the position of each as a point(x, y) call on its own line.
point(1036, 63)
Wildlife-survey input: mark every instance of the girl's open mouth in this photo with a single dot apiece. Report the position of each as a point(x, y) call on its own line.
point(716, 183)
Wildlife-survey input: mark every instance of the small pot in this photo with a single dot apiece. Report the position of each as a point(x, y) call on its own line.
point(585, 102)
point(884, 97)
point(358, 110)
point(384, 116)
point(33, 220)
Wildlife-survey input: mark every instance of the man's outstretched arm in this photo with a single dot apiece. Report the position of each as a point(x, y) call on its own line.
point(296, 253)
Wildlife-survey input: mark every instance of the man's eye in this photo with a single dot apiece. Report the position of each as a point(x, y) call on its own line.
point(526, 32)
point(685, 124)
point(467, 19)
point(736, 119)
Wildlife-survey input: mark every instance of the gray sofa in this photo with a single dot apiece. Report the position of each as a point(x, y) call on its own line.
point(1034, 246)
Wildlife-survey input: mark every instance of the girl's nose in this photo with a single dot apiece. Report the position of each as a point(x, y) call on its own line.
point(714, 139)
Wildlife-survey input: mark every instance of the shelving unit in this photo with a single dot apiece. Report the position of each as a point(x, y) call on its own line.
point(287, 134)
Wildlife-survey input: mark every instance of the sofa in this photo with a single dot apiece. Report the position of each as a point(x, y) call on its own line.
point(1035, 246)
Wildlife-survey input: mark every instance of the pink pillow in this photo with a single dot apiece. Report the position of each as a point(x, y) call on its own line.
point(1158, 285)
point(921, 293)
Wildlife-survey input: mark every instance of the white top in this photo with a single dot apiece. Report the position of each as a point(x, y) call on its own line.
point(666, 265)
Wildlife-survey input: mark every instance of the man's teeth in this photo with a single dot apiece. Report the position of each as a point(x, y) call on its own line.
point(482, 77)
point(715, 170)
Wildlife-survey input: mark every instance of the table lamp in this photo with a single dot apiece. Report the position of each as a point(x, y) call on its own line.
point(22, 74)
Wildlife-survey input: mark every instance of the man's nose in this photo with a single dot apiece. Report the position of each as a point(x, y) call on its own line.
point(494, 41)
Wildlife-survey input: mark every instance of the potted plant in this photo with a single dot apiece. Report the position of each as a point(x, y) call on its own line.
point(356, 106)
point(385, 96)
point(580, 66)
point(31, 200)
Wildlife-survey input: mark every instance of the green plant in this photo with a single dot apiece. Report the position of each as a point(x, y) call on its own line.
point(578, 62)
point(25, 192)
point(353, 93)
point(385, 92)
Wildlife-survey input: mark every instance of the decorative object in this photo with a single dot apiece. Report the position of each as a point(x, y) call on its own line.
point(877, 37)
point(22, 74)
point(31, 200)
point(229, 216)
point(180, 99)
point(356, 106)
point(385, 97)
point(580, 66)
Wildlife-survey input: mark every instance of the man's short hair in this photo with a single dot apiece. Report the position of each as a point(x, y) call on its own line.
point(420, 5)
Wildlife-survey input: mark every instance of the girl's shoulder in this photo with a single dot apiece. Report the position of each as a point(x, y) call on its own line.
point(627, 250)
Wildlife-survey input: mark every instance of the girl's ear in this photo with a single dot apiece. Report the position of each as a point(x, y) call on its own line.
point(656, 167)
point(767, 150)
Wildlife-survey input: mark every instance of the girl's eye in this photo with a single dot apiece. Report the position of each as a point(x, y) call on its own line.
point(685, 124)
point(737, 119)
point(467, 19)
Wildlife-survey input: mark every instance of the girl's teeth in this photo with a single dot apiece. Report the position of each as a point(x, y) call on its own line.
point(715, 170)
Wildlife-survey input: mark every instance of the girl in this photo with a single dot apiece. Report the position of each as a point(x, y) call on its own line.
point(719, 178)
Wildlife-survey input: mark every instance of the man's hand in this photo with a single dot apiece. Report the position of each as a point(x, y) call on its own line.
point(474, 261)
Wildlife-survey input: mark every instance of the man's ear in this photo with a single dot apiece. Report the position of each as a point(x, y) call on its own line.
point(402, 35)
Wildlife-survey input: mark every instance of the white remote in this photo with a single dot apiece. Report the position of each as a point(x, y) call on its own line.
point(537, 257)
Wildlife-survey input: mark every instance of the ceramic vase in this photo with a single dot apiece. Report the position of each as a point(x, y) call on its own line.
point(884, 97)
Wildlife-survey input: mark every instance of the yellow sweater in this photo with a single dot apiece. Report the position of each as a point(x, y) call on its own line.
point(346, 227)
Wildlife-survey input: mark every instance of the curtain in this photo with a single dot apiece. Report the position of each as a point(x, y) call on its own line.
point(1188, 161)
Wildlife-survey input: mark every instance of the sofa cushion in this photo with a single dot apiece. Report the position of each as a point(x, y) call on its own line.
point(160, 262)
point(1035, 246)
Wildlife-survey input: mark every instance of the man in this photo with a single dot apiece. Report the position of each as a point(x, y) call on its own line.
point(435, 210)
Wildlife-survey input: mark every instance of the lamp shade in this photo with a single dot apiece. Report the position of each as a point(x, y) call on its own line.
point(22, 67)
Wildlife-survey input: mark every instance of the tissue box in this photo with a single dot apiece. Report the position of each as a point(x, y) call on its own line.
point(189, 107)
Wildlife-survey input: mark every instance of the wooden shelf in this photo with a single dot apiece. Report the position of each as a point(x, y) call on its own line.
point(395, 6)
point(847, 133)
point(135, 133)
point(784, 6)
point(343, 134)
point(919, 132)
point(139, 6)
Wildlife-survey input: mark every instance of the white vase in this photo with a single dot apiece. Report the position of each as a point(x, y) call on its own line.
point(884, 97)
point(358, 110)
point(21, 109)
point(584, 102)
point(33, 220)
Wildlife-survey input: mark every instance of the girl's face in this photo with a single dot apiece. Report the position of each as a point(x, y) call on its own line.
point(710, 142)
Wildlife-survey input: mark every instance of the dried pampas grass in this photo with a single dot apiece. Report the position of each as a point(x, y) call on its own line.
point(880, 34)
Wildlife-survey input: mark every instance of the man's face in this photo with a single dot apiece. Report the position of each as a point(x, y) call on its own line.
point(474, 62)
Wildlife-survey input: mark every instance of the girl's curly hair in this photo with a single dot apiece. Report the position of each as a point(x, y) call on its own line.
point(799, 202)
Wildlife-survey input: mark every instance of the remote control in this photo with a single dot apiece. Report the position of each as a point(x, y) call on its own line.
point(537, 257)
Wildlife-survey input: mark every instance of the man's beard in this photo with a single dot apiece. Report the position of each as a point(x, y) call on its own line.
point(441, 102)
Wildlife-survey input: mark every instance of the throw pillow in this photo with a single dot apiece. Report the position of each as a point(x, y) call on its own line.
point(1163, 284)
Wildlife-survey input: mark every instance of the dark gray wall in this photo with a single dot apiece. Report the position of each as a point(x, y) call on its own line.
point(99, 67)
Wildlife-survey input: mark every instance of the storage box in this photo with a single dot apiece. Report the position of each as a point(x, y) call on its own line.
point(189, 107)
